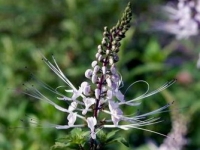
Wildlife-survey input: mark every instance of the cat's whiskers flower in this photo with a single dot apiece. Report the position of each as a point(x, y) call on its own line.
point(184, 19)
point(102, 93)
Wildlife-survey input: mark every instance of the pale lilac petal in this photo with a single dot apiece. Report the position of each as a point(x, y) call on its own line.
point(72, 106)
point(88, 102)
point(71, 118)
point(91, 121)
point(116, 112)
point(119, 96)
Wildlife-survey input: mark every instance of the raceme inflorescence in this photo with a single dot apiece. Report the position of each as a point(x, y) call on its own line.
point(98, 101)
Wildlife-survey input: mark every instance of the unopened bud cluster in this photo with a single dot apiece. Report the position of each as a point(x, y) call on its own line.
point(103, 72)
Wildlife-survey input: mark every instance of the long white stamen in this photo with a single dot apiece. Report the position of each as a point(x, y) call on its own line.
point(38, 95)
point(166, 85)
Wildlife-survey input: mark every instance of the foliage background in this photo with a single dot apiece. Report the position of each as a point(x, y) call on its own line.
point(71, 30)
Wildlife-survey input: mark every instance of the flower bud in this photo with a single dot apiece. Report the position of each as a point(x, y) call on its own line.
point(94, 78)
point(113, 69)
point(88, 73)
point(113, 47)
point(109, 82)
point(115, 58)
point(97, 93)
point(107, 52)
point(96, 69)
point(104, 69)
point(86, 88)
point(97, 55)
point(84, 84)
point(100, 58)
point(118, 38)
point(105, 33)
point(106, 28)
point(100, 49)
point(111, 62)
point(103, 42)
point(94, 63)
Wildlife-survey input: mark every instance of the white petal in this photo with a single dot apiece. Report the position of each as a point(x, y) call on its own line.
point(71, 118)
point(113, 69)
point(93, 135)
point(109, 94)
point(91, 123)
point(116, 112)
point(77, 93)
point(88, 102)
point(73, 106)
point(119, 96)
point(108, 80)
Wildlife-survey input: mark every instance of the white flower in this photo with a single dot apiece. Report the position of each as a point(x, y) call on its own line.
point(85, 88)
point(119, 95)
point(106, 94)
point(71, 118)
point(88, 102)
point(102, 95)
point(109, 94)
point(116, 112)
point(91, 121)
point(183, 20)
point(72, 106)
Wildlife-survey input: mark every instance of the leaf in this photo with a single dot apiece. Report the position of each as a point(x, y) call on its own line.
point(74, 140)
point(59, 145)
point(119, 140)
point(111, 134)
point(123, 141)
point(102, 136)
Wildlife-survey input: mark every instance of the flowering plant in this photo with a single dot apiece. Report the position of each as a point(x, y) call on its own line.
point(184, 19)
point(97, 102)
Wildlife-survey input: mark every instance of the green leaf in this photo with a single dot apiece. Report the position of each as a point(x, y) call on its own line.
point(111, 134)
point(123, 141)
point(59, 145)
point(102, 136)
point(119, 140)
point(74, 140)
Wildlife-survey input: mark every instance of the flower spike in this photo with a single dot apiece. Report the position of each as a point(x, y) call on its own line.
point(101, 93)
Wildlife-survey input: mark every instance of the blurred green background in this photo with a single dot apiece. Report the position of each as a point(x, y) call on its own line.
point(71, 31)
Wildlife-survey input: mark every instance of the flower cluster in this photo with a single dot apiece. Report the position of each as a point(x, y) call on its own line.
point(101, 94)
point(184, 19)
